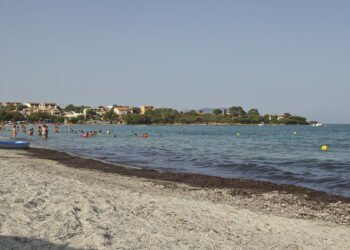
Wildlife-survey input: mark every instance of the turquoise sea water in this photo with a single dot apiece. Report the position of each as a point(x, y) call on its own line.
point(280, 154)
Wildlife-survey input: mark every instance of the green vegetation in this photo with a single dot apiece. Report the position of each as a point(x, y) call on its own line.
point(11, 116)
point(44, 117)
point(76, 109)
point(111, 116)
point(75, 120)
point(232, 115)
point(217, 111)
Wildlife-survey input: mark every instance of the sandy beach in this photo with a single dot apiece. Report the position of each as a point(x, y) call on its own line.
point(52, 200)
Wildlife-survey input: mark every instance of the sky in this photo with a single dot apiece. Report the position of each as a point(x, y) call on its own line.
point(276, 56)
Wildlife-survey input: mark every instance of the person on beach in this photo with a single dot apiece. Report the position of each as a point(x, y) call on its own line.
point(14, 131)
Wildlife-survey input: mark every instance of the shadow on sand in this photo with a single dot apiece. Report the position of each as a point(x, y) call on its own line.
point(24, 243)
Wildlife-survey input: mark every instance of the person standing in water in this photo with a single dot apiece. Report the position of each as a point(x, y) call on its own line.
point(14, 131)
point(108, 132)
point(46, 131)
point(56, 130)
point(39, 130)
point(43, 131)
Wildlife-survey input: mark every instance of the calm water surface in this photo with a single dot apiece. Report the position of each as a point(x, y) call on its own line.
point(280, 154)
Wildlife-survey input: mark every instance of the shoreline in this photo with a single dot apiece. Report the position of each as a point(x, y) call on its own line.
point(282, 199)
point(246, 186)
point(51, 199)
point(168, 124)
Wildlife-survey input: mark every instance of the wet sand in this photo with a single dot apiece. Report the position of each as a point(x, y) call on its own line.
point(56, 200)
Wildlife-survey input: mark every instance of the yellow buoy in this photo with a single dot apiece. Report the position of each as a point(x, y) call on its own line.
point(324, 148)
point(295, 132)
point(238, 134)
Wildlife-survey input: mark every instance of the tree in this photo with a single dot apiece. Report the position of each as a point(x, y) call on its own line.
point(191, 112)
point(161, 115)
point(134, 119)
point(253, 113)
point(77, 109)
point(110, 116)
point(11, 116)
point(295, 120)
point(9, 108)
point(71, 107)
point(4, 116)
point(44, 117)
point(237, 111)
point(16, 116)
point(73, 120)
point(21, 107)
point(217, 111)
point(287, 115)
point(90, 113)
point(136, 110)
point(254, 116)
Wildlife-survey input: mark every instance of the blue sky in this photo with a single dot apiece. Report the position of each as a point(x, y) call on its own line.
point(277, 56)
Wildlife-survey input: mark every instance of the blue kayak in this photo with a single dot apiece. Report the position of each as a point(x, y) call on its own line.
point(14, 144)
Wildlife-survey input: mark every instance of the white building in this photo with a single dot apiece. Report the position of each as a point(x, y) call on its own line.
point(122, 110)
point(36, 107)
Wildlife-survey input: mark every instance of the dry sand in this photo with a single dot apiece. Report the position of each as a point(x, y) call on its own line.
point(47, 205)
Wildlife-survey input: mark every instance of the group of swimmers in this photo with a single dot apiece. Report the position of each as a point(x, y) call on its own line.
point(42, 130)
point(108, 132)
point(92, 133)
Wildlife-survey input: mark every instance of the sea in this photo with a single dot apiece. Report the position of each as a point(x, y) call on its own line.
point(279, 154)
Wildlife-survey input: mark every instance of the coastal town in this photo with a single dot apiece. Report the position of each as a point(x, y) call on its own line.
point(144, 114)
point(29, 108)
